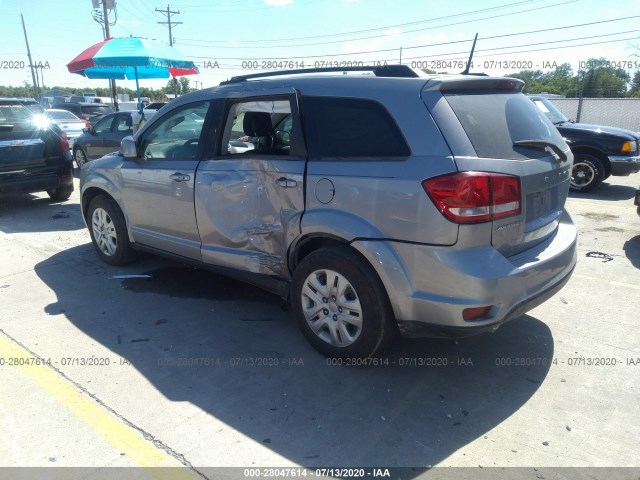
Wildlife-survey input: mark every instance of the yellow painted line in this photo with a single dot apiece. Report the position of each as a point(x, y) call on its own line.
point(122, 437)
point(610, 282)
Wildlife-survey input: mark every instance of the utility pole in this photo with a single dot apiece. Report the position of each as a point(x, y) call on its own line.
point(168, 12)
point(33, 73)
point(112, 82)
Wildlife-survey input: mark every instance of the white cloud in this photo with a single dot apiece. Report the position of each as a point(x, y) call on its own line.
point(278, 3)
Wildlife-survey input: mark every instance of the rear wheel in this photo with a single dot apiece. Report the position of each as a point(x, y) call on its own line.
point(60, 194)
point(587, 173)
point(109, 231)
point(341, 306)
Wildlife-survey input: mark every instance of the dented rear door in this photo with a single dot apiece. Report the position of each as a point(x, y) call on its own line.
point(249, 200)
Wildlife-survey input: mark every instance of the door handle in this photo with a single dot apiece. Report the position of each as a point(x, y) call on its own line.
point(180, 177)
point(286, 182)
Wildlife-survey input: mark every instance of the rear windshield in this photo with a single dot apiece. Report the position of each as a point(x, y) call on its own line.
point(95, 109)
point(13, 119)
point(494, 121)
point(62, 115)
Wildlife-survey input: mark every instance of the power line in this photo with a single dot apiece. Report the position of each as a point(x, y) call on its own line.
point(431, 20)
point(201, 45)
point(350, 54)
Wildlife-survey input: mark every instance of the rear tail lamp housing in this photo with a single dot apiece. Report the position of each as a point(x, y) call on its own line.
point(475, 197)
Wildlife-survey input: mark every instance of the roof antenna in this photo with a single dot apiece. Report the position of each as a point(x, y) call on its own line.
point(473, 47)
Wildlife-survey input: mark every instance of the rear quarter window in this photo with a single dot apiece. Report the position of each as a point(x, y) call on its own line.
point(494, 121)
point(347, 127)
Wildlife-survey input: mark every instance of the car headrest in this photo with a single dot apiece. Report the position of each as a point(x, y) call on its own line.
point(257, 124)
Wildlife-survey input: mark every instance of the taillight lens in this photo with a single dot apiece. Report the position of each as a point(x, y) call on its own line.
point(473, 197)
point(64, 142)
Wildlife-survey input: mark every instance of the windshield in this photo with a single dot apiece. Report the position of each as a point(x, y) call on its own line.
point(96, 109)
point(550, 110)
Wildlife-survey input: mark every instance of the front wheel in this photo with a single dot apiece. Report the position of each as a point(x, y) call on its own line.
point(341, 306)
point(587, 173)
point(109, 231)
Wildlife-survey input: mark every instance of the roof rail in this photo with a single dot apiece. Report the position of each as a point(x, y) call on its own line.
point(404, 71)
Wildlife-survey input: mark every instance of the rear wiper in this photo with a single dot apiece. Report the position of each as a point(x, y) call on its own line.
point(557, 151)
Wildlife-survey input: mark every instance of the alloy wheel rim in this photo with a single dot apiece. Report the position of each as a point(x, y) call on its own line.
point(331, 307)
point(104, 232)
point(80, 158)
point(582, 174)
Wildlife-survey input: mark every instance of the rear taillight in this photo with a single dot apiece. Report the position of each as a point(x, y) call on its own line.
point(473, 197)
point(64, 142)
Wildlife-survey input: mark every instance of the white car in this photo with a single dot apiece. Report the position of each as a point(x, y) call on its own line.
point(69, 123)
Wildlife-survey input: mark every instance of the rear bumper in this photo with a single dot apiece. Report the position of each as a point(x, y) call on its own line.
point(624, 166)
point(429, 287)
point(36, 183)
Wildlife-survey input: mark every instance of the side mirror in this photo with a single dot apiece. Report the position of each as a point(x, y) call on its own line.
point(128, 147)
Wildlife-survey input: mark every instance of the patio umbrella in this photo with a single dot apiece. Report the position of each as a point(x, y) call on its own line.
point(131, 58)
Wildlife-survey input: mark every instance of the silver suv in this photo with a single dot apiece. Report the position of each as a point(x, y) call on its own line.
point(376, 204)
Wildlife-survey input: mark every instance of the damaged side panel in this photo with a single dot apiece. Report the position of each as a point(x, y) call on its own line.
point(246, 214)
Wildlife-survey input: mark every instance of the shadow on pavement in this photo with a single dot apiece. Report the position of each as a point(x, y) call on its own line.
point(632, 250)
point(31, 213)
point(417, 405)
point(607, 191)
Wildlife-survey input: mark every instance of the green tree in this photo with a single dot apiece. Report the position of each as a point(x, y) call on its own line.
point(601, 80)
point(634, 91)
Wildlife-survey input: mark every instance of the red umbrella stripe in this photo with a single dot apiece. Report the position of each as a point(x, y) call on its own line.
point(85, 59)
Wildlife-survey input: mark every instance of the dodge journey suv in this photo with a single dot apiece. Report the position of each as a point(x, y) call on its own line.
point(376, 204)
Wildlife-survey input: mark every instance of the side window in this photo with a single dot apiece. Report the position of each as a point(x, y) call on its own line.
point(177, 136)
point(347, 127)
point(258, 127)
point(104, 125)
point(123, 124)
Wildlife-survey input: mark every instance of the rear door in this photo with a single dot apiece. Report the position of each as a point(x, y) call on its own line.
point(492, 118)
point(250, 192)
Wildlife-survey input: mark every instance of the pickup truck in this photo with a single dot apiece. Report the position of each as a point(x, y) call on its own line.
point(598, 151)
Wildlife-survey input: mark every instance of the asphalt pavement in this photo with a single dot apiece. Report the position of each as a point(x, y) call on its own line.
point(185, 368)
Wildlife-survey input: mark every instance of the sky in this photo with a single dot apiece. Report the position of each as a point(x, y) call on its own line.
point(235, 37)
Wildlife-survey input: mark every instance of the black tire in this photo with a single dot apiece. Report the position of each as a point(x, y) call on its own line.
point(587, 173)
point(61, 194)
point(80, 156)
point(378, 326)
point(105, 219)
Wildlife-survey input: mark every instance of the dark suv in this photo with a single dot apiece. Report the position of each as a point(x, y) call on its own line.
point(598, 151)
point(34, 153)
point(86, 111)
point(375, 203)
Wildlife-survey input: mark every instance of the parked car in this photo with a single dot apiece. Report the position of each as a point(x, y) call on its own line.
point(151, 109)
point(599, 151)
point(34, 153)
point(69, 123)
point(85, 111)
point(103, 137)
point(421, 205)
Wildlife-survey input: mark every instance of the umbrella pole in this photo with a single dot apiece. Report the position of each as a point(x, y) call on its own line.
point(135, 69)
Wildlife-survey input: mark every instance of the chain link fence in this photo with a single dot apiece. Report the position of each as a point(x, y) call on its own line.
point(613, 112)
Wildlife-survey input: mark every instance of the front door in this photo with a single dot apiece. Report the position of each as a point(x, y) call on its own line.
point(159, 185)
point(250, 192)
point(95, 146)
